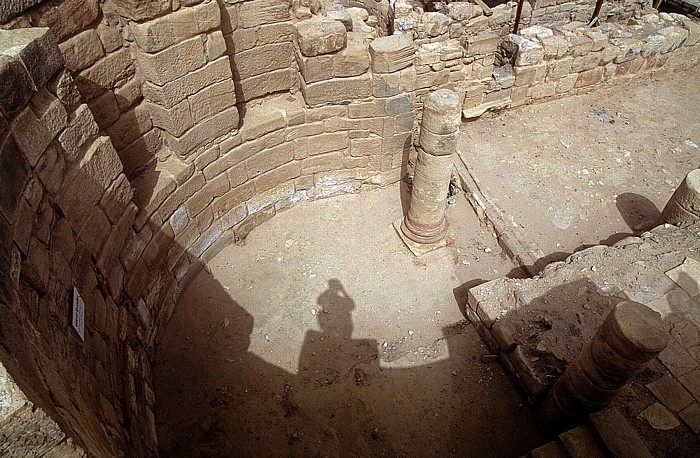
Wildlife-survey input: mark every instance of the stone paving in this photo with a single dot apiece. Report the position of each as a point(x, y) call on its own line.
point(538, 326)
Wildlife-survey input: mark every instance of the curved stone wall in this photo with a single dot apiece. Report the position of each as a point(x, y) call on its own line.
point(139, 138)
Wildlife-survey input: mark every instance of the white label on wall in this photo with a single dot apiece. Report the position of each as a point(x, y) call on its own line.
point(78, 314)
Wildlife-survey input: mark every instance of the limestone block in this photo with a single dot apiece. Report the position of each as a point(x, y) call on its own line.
point(579, 45)
point(317, 68)
point(105, 109)
point(216, 45)
point(555, 47)
point(165, 31)
point(176, 91)
point(212, 100)
point(435, 23)
point(140, 10)
point(675, 37)
point(105, 74)
point(692, 27)
point(599, 40)
point(31, 135)
point(274, 33)
point(80, 130)
point(204, 132)
point(14, 173)
point(172, 63)
point(589, 77)
point(340, 14)
point(260, 12)
point(63, 87)
point(337, 90)
point(353, 60)
point(652, 45)
point(263, 119)
point(484, 44)
point(537, 32)
point(117, 198)
point(110, 36)
point(175, 120)
point(10, 8)
point(462, 11)
point(392, 53)
point(36, 48)
point(320, 36)
point(325, 143)
point(628, 49)
point(269, 159)
point(16, 85)
point(268, 83)
point(65, 18)
point(130, 126)
point(82, 50)
point(527, 51)
point(262, 59)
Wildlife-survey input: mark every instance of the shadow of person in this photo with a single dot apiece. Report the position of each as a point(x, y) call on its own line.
point(211, 388)
point(640, 214)
point(333, 369)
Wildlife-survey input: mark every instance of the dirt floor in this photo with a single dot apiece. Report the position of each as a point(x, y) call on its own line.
point(591, 168)
point(323, 336)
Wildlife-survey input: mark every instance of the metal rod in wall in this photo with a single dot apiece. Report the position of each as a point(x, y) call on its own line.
point(596, 12)
point(517, 16)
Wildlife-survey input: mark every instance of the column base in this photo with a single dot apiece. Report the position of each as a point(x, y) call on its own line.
point(419, 249)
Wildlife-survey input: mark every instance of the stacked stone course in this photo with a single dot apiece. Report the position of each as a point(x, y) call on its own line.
point(139, 138)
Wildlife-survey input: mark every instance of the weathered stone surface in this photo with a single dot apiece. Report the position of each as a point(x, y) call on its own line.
point(392, 53)
point(671, 393)
point(104, 74)
point(140, 10)
point(260, 12)
point(213, 127)
point(174, 92)
point(589, 78)
point(528, 52)
point(337, 90)
point(175, 120)
point(81, 129)
point(10, 8)
point(101, 162)
point(659, 417)
point(16, 85)
point(618, 435)
point(353, 60)
point(435, 23)
point(31, 135)
point(37, 49)
point(14, 173)
point(212, 100)
point(320, 36)
point(172, 63)
point(65, 18)
point(82, 50)
point(267, 83)
point(131, 125)
point(262, 59)
point(165, 31)
point(105, 109)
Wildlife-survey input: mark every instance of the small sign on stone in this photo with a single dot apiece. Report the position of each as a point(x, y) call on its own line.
point(77, 314)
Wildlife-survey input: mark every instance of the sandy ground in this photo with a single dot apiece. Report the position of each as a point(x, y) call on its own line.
point(591, 168)
point(324, 336)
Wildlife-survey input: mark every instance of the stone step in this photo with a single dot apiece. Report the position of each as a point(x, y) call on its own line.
point(608, 433)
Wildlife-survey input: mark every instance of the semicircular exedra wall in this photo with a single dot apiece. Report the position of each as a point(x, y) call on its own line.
point(123, 176)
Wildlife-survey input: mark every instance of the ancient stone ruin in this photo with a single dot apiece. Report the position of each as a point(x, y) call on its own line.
point(140, 138)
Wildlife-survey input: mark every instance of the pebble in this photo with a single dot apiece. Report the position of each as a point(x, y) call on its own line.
point(486, 359)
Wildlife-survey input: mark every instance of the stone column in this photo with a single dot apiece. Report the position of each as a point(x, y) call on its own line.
point(425, 222)
point(684, 206)
point(631, 335)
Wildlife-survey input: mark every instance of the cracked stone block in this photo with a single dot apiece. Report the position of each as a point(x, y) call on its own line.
point(691, 416)
point(37, 49)
point(678, 361)
point(321, 36)
point(618, 435)
point(671, 393)
point(659, 417)
point(687, 276)
point(528, 52)
point(580, 443)
point(692, 382)
point(391, 54)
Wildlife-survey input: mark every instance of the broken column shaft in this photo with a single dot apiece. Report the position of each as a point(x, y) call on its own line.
point(631, 335)
point(425, 222)
point(684, 206)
